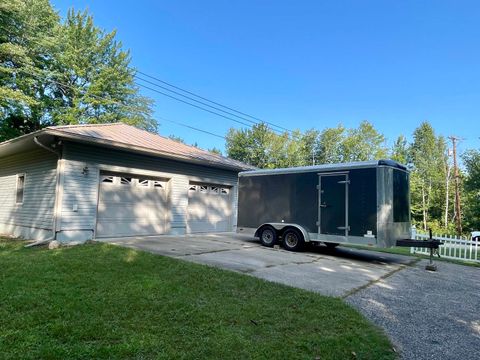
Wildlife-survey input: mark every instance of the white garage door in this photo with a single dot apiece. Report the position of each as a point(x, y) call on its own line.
point(131, 205)
point(209, 208)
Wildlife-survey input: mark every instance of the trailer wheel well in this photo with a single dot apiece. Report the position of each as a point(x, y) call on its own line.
point(290, 227)
point(280, 228)
point(260, 229)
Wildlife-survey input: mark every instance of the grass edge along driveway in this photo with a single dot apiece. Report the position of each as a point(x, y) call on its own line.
point(104, 301)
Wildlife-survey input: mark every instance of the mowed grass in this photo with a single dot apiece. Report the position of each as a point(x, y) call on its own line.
point(102, 301)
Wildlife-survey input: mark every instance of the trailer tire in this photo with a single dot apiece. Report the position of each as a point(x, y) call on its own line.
point(268, 236)
point(293, 240)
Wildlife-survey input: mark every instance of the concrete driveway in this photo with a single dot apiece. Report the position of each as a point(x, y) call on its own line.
point(336, 273)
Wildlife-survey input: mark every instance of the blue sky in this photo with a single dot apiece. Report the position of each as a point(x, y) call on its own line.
point(304, 64)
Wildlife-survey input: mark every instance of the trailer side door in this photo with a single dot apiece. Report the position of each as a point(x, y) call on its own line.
point(333, 204)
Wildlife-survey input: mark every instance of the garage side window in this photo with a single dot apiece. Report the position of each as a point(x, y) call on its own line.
point(20, 188)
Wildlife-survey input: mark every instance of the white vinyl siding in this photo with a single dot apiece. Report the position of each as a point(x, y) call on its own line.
point(80, 191)
point(25, 212)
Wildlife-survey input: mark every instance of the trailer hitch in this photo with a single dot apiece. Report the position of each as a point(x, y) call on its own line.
point(432, 244)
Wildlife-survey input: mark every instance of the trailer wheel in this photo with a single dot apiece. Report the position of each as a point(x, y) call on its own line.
point(268, 236)
point(293, 240)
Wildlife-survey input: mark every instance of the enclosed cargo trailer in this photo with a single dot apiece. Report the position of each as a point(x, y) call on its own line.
point(363, 203)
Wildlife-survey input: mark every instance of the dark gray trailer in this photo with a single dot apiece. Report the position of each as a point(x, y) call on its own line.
point(363, 203)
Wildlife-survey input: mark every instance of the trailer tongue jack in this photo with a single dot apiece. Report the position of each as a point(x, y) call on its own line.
point(431, 244)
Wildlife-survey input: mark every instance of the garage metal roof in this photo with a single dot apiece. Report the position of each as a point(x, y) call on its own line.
point(130, 138)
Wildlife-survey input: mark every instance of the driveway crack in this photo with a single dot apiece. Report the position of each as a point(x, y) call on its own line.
point(381, 278)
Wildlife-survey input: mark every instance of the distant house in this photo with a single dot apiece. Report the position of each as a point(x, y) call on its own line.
point(80, 182)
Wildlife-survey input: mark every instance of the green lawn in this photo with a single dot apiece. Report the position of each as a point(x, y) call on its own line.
point(102, 301)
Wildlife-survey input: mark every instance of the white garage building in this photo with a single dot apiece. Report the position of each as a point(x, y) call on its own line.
point(79, 182)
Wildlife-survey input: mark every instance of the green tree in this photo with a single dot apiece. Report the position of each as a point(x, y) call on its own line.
point(93, 81)
point(176, 138)
point(27, 38)
point(262, 147)
point(400, 150)
point(329, 149)
point(252, 146)
point(62, 73)
point(215, 150)
point(363, 143)
point(338, 144)
point(471, 160)
point(428, 157)
point(310, 144)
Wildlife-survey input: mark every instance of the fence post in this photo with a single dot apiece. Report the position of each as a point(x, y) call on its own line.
point(413, 231)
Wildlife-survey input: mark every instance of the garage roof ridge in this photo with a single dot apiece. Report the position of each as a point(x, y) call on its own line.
point(82, 125)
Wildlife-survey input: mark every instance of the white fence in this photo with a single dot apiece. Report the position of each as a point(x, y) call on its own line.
point(453, 247)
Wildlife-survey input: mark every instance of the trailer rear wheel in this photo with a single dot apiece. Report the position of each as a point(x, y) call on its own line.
point(293, 240)
point(268, 236)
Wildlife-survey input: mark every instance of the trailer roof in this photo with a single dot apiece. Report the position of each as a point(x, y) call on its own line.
point(325, 167)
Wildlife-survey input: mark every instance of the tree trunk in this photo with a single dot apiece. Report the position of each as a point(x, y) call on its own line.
point(424, 208)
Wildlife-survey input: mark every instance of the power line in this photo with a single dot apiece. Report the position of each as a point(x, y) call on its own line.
point(192, 127)
point(190, 98)
point(196, 106)
point(127, 106)
point(211, 101)
point(197, 101)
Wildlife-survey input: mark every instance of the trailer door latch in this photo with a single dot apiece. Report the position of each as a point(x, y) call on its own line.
point(344, 182)
point(343, 228)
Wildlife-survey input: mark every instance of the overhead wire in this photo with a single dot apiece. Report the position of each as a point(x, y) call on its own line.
point(196, 106)
point(251, 122)
point(211, 101)
point(197, 101)
point(127, 106)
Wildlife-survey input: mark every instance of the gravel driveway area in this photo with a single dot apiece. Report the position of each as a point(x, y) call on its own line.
point(427, 315)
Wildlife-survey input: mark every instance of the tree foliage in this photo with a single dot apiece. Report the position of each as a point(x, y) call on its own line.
point(70, 72)
point(471, 160)
point(427, 157)
point(400, 150)
point(262, 147)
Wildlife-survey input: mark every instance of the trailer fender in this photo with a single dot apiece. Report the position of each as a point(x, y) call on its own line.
point(282, 226)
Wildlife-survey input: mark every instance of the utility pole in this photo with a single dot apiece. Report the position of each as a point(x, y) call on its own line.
point(458, 211)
